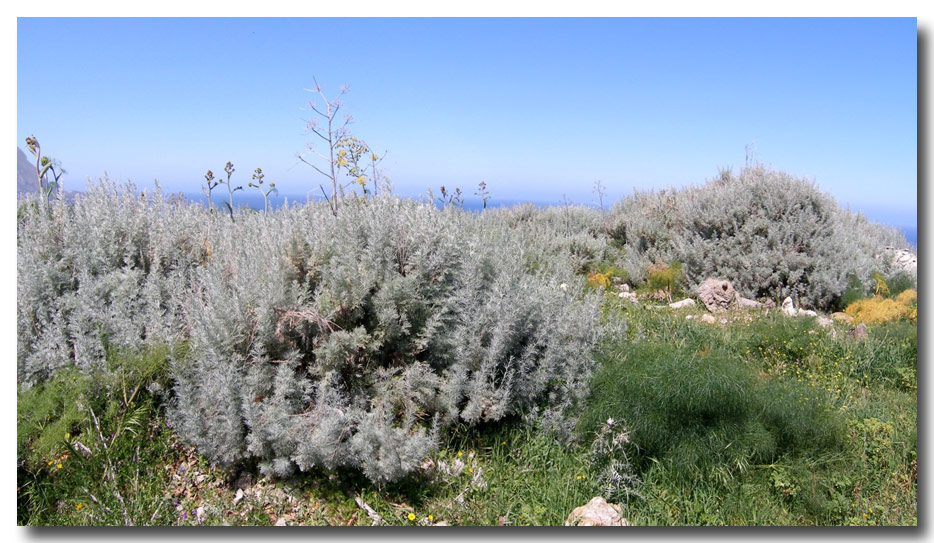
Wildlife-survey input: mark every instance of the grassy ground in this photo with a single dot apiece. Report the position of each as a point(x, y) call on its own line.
point(766, 422)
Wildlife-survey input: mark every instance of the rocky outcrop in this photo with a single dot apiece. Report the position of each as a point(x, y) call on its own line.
point(716, 294)
point(902, 259)
point(597, 512)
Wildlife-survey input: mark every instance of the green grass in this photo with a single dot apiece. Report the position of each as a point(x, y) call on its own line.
point(767, 422)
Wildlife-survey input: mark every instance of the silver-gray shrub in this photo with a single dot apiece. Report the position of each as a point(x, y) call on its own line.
point(571, 236)
point(354, 340)
point(313, 339)
point(108, 270)
point(770, 233)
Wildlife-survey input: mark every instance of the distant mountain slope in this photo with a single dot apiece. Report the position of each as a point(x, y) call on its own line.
point(26, 179)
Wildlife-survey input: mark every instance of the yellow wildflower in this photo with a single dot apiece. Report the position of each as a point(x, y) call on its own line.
point(58, 466)
point(411, 516)
point(79, 506)
point(431, 517)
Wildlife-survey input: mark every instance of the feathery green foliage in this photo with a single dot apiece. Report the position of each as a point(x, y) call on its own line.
point(89, 444)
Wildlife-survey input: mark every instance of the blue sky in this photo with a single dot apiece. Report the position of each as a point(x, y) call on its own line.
point(537, 108)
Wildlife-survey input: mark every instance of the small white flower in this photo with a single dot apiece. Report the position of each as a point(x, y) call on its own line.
point(610, 421)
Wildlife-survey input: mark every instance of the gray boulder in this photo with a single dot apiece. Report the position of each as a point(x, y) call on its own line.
point(716, 294)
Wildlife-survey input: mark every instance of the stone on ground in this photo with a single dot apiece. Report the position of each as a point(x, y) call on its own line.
point(597, 512)
point(716, 294)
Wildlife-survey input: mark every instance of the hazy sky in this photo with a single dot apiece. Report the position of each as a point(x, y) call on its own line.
point(537, 108)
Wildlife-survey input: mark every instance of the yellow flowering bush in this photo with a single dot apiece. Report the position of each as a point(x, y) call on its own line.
point(598, 280)
point(878, 309)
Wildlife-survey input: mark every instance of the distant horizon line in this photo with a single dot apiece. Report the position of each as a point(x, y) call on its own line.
point(473, 203)
point(254, 201)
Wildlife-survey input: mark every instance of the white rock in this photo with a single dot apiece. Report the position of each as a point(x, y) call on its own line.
point(281, 522)
point(788, 307)
point(824, 321)
point(807, 313)
point(624, 287)
point(902, 259)
point(238, 497)
point(563, 286)
point(597, 512)
point(687, 302)
point(628, 296)
point(708, 318)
